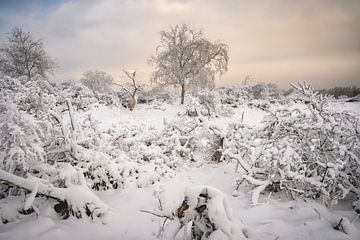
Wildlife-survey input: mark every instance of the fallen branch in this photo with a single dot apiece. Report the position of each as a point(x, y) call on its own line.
point(76, 200)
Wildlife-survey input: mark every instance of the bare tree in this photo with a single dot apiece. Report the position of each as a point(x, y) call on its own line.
point(97, 80)
point(185, 56)
point(23, 55)
point(134, 91)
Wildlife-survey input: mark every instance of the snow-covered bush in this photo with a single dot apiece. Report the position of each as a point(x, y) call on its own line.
point(206, 103)
point(21, 140)
point(32, 145)
point(207, 212)
point(81, 96)
point(258, 95)
point(195, 139)
point(74, 199)
point(310, 151)
point(157, 93)
point(33, 96)
point(263, 91)
point(233, 96)
point(97, 80)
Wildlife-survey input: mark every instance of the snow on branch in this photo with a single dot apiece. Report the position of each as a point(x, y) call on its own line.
point(208, 212)
point(77, 200)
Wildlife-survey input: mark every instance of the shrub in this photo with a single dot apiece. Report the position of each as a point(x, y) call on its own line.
point(313, 152)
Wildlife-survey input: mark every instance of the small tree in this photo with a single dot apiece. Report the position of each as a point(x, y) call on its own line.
point(185, 56)
point(23, 55)
point(135, 89)
point(97, 80)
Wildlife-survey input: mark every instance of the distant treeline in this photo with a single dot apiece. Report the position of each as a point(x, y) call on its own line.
point(342, 91)
point(336, 91)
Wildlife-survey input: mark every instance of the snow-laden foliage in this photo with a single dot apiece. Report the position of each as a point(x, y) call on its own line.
point(207, 103)
point(33, 141)
point(263, 91)
point(306, 150)
point(156, 95)
point(21, 140)
point(82, 97)
point(207, 212)
point(258, 95)
point(185, 57)
point(74, 199)
point(49, 133)
point(97, 80)
point(34, 96)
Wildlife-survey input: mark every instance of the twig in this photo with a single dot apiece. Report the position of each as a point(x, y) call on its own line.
point(157, 214)
point(354, 218)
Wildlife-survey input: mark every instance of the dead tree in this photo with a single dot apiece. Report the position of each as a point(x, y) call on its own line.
point(135, 89)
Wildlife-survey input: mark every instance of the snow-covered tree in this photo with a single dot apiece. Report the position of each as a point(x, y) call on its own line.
point(133, 92)
point(23, 55)
point(185, 56)
point(97, 80)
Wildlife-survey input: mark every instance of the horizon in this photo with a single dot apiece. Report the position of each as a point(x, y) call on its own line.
point(278, 42)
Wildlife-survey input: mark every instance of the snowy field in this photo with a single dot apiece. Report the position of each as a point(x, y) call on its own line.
point(273, 218)
point(162, 147)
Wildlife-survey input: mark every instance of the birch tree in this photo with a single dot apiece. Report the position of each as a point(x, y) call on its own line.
point(184, 56)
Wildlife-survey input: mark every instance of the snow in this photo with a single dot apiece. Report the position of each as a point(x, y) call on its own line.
point(155, 116)
point(272, 219)
point(152, 116)
point(29, 201)
point(353, 107)
point(266, 218)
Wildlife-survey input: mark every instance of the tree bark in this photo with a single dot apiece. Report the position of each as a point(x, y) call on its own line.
point(133, 102)
point(182, 93)
point(28, 75)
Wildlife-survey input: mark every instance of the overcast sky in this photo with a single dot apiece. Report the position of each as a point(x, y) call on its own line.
point(280, 41)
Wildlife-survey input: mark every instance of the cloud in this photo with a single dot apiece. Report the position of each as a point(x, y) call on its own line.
point(278, 41)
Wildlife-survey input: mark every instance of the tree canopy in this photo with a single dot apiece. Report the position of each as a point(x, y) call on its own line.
point(23, 55)
point(184, 56)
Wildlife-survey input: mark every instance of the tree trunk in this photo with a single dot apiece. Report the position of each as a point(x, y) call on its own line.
point(28, 75)
point(182, 93)
point(133, 102)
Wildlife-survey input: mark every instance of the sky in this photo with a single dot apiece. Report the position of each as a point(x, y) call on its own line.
point(277, 41)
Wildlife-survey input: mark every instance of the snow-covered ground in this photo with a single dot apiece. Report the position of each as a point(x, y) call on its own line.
point(272, 219)
point(152, 117)
point(155, 116)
